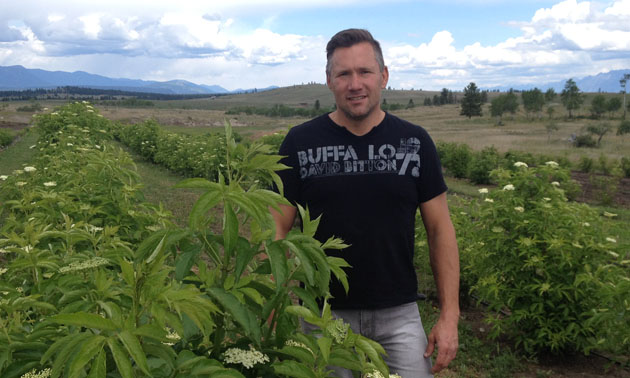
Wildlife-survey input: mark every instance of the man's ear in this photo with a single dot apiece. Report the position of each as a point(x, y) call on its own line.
point(385, 74)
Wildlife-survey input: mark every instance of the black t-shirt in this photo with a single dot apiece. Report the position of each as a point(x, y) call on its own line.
point(367, 190)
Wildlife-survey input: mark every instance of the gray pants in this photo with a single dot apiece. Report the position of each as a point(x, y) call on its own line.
point(398, 329)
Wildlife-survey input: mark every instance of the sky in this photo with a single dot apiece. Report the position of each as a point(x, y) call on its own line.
point(427, 44)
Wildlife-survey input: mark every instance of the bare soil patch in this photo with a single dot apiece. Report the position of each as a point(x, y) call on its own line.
point(596, 186)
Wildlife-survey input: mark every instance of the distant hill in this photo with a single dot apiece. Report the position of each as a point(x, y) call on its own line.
point(14, 78)
point(603, 82)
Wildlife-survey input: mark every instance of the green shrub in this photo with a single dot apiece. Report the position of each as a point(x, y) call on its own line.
point(625, 166)
point(5, 138)
point(483, 163)
point(585, 140)
point(534, 259)
point(455, 158)
point(586, 164)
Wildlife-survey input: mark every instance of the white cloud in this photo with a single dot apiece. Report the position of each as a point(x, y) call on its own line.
point(581, 35)
point(218, 43)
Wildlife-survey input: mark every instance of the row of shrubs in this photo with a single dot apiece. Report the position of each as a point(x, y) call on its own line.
point(199, 156)
point(553, 273)
point(460, 161)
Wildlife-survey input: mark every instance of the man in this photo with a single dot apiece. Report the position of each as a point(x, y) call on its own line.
point(366, 172)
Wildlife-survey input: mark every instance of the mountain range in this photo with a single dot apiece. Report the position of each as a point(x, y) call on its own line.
point(602, 82)
point(17, 78)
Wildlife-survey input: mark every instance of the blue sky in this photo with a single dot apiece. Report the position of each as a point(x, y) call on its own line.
point(428, 44)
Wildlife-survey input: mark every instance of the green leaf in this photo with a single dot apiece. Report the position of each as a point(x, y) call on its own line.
point(368, 348)
point(324, 344)
point(293, 369)
point(239, 311)
point(198, 214)
point(184, 262)
point(197, 183)
point(230, 229)
point(127, 272)
point(99, 365)
point(306, 314)
point(89, 349)
point(307, 298)
point(68, 348)
point(345, 359)
point(83, 319)
point(121, 359)
point(306, 263)
point(244, 254)
point(134, 348)
point(278, 259)
point(336, 264)
point(152, 331)
point(309, 226)
point(299, 353)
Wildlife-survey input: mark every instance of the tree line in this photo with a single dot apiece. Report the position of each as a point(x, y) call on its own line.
point(534, 101)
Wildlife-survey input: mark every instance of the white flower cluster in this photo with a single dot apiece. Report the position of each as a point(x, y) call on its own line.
point(37, 374)
point(50, 183)
point(173, 336)
point(483, 190)
point(338, 329)
point(247, 358)
point(377, 374)
point(519, 164)
point(520, 209)
point(3, 177)
point(83, 265)
point(30, 169)
point(552, 164)
point(297, 344)
point(508, 187)
point(3, 271)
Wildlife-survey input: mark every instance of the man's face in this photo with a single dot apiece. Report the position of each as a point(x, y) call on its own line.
point(356, 80)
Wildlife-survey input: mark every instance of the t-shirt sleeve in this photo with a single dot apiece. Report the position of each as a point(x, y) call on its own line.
point(290, 177)
point(431, 180)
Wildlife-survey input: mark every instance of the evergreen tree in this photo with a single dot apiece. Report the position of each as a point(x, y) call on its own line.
point(471, 103)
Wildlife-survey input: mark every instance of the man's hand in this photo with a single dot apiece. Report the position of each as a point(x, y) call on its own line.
point(444, 337)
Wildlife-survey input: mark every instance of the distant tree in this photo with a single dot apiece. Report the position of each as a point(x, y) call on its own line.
point(551, 126)
point(613, 105)
point(599, 130)
point(427, 101)
point(571, 97)
point(598, 106)
point(471, 103)
point(451, 97)
point(484, 97)
point(550, 111)
point(511, 102)
point(550, 95)
point(444, 96)
point(533, 101)
point(436, 100)
point(317, 105)
point(410, 104)
point(497, 108)
point(623, 128)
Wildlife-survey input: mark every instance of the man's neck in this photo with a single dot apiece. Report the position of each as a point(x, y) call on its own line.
point(358, 127)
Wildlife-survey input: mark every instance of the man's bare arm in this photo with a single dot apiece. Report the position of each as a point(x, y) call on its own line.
point(284, 220)
point(445, 265)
